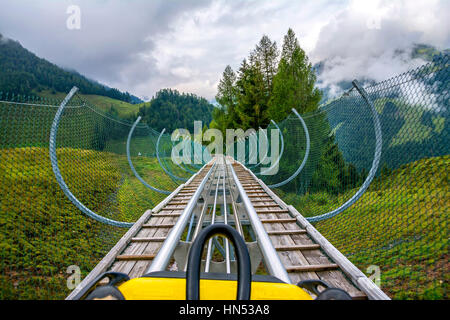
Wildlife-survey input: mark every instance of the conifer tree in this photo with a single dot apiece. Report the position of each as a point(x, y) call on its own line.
point(251, 98)
point(293, 85)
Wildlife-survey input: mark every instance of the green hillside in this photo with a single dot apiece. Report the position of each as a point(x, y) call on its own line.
point(42, 232)
point(24, 74)
point(405, 211)
point(123, 108)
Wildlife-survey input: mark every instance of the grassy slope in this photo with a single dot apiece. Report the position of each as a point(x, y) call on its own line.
point(42, 233)
point(124, 108)
point(400, 224)
point(413, 130)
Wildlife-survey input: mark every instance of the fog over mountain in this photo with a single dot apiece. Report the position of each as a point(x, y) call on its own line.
point(142, 46)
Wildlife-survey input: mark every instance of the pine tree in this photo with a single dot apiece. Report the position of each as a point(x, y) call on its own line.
point(293, 85)
point(226, 96)
point(225, 116)
point(266, 53)
point(251, 98)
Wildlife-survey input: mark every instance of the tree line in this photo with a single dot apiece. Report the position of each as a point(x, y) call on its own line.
point(268, 84)
point(171, 110)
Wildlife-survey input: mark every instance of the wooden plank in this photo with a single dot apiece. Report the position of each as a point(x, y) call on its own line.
point(301, 247)
point(139, 248)
point(356, 275)
point(329, 249)
point(286, 220)
point(265, 205)
point(168, 225)
point(174, 208)
point(139, 268)
point(286, 232)
point(259, 196)
point(108, 260)
point(335, 277)
point(154, 239)
point(168, 215)
point(273, 211)
point(288, 257)
point(265, 199)
point(312, 267)
point(137, 257)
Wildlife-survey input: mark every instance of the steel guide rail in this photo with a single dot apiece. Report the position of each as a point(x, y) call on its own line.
point(140, 251)
point(165, 253)
point(270, 255)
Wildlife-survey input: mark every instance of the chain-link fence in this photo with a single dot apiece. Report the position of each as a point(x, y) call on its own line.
point(42, 232)
point(399, 225)
point(392, 137)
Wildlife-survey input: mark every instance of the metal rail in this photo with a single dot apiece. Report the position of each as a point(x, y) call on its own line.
point(225, 214)
point(163, 257)
point(233, 204)
point(271, 258)
point(213, 220)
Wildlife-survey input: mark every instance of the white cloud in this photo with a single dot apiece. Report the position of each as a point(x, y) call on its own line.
point(374, 39)
point(142, 46)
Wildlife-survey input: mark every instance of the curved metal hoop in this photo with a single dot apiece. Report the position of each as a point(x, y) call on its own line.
point(300, 168)
point(281, 152)
point(194, 143)
point(182, 168)
point(251, 156)
point(203, 162)
point(375, 163)
point(160, 163)
point(57, 172)
point(130, 134)
point(265, 156)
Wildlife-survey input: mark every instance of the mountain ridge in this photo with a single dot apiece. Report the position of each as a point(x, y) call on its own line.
point(421, 51)
point(24, 73)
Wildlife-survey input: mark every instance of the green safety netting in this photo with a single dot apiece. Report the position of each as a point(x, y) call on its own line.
point(397, 230)
point(381, 198)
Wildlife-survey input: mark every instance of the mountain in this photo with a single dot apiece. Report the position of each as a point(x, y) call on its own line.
point(426, 52)
point(22, 72)
point(419, 51)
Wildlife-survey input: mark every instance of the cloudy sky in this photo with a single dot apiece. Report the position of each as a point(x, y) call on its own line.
point(143, 45)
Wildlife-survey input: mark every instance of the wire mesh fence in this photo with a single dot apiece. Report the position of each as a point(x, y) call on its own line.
point(395, 232)
point(42, 232)
point(399, 226)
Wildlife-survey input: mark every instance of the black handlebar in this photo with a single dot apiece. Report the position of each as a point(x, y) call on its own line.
point(195, 258)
